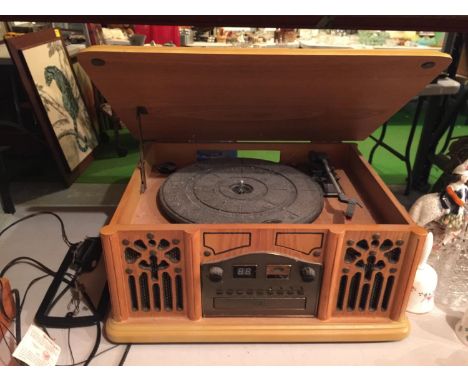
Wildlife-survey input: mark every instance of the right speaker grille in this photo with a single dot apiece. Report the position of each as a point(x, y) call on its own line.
point(370, 267)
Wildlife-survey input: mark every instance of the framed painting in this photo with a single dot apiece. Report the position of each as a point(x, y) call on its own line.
point(47, 75)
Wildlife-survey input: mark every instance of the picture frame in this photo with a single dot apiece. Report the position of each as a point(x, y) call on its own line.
point(3, 29)
point(47, 75)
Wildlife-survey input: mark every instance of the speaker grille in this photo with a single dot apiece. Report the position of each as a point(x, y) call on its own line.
point(133, 292)
point(179, 293)
point(370, 266)
point(167, 290)
point(341, 293)
point(144, 292)
point(353, 291)
point(156, 297)
point(154, 267)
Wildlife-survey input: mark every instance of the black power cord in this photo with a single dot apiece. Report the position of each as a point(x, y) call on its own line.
point(18, 315)
point(96, 345)
point(29, 261)
point(49, 272)
point(28, 289)
point(125, 354)
point(62, 225)
point(97, 355)
point(69, 345)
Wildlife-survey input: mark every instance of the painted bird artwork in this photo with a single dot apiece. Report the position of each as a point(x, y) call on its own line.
point(70, 103)
point(62, 90)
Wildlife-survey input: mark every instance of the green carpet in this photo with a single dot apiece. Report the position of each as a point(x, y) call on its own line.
point(108, 168)
point(390, 168)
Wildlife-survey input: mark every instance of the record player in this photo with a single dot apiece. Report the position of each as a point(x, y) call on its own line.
point(210, 242)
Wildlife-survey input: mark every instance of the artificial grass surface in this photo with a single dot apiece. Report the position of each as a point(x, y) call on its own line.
point(108, 168)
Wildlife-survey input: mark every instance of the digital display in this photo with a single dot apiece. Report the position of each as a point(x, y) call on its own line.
point(244, 271)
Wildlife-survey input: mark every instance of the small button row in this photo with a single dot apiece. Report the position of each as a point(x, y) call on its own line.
point(260, 292)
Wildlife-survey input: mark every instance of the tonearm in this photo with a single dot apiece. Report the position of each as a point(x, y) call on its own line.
point(338, 192)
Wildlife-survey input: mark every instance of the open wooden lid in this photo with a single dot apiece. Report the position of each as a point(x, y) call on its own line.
point(224, 94)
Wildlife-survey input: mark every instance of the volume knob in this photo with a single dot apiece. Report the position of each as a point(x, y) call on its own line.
point(308, 274)
point(215, 274)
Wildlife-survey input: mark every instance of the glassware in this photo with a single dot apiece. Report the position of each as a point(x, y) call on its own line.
point(451, 263)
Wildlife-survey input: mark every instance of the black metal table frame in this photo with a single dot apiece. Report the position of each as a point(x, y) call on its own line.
point(441, 116)
point(435, 126)
point(403, 157)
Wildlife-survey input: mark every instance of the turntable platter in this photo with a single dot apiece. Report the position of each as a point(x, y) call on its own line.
point(240, 191)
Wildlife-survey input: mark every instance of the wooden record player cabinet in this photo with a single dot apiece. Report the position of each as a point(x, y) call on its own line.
point(183, 101)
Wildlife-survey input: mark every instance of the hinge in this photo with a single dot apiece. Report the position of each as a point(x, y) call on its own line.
point(141, 110)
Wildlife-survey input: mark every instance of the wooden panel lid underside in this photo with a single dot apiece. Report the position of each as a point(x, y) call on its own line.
point(258, 94)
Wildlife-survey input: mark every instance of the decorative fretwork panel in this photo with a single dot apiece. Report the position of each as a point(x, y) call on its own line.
point(370, 265)
point(154, 266)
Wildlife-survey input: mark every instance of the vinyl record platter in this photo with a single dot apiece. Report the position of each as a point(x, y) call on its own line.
point(240, 191)
point(210, 243)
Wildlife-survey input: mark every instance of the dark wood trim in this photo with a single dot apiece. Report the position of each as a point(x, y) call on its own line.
point(15, 47)
point(451, 23)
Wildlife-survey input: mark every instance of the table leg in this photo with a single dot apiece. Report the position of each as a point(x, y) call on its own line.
point(409, 143)
point(5, 195)
point(438, 119)
point(378, 142)
point(426, 147)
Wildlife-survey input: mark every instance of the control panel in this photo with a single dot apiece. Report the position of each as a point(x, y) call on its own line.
point(260, 284)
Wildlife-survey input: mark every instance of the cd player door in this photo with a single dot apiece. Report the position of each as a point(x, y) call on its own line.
point(260, 284)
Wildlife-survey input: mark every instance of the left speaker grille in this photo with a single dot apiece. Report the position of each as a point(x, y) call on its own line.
point(154, 268)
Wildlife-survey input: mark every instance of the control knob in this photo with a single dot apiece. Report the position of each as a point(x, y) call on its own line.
point(215, 274)
point(308, 274)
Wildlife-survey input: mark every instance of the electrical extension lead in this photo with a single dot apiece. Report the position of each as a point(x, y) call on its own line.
point(4, 337)
point(3, 326)
point(19, 308)
point(16, 336)
point(20, 303)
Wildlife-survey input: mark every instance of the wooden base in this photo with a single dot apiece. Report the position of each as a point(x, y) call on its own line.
point(253, 330)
